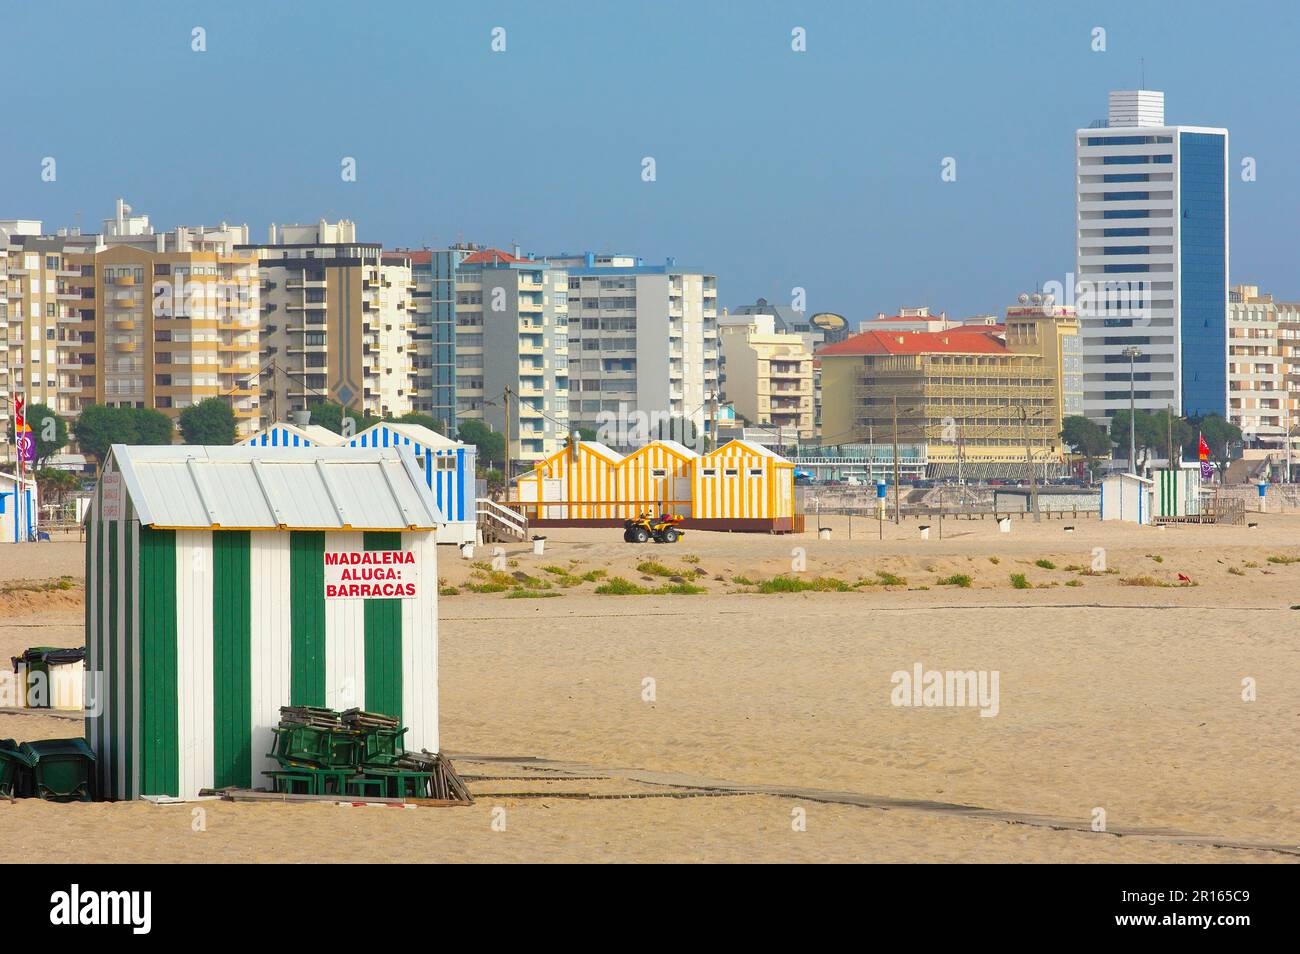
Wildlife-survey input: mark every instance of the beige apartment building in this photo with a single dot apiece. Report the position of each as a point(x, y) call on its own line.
point(1288, 339)
point(337, 318)
point(767, 376)
point(1257, 387)
point(131, 317)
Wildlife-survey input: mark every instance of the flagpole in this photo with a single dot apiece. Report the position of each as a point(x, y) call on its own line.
point(20, 489)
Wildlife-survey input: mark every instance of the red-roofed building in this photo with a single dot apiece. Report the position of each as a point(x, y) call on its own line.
point(971, 393)
point(491, 256)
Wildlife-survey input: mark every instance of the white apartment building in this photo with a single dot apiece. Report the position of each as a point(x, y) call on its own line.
point(512, 350)
point(642, 338)
point(1152, 259)
point(41, 316)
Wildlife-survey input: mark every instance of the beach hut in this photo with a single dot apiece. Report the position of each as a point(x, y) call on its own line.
point(743, 486)
point(1126, 497)
point(449, 469)
point(657, 476)
point(225, 582)
point(581, 483)
point(1177, 493)
point(19, 508)
point(284, 434)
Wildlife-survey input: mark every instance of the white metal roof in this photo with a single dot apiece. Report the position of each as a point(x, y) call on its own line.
point(604, 449)
point(311, 432)
point(422, 435)
point(676, 447)
point(270, 488)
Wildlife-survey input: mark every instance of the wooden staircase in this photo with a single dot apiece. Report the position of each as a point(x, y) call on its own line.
point(500, 524)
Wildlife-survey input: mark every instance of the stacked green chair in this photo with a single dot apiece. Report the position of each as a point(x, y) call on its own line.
point(60, 768)
point(15, 770)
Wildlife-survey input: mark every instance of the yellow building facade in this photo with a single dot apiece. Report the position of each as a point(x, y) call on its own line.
point(983, 401)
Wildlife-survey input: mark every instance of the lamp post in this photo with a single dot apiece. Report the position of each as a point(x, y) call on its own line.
point(1132, 352)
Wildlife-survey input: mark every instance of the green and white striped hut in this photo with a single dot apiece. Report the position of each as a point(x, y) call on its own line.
point(225, 582)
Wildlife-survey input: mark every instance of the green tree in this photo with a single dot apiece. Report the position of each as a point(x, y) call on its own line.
point(1087, 439)
point(491, 444)
point(54, 483)
point(152, 426)
point(1150, 435)
point(98, 427)
point(332, 415)
point(49, 430)
point(587, 434)
point(1182, 433)
point(211, 421)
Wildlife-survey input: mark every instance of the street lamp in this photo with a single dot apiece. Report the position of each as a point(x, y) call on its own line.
point(1132, 352)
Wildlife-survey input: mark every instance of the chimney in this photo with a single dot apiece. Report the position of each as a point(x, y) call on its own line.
point(272, 234)
point(516, 251)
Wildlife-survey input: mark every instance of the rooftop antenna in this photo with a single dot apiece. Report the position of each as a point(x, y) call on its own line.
point(1142, 83)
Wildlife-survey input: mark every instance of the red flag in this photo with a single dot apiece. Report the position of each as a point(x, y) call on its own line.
point(1204, 448)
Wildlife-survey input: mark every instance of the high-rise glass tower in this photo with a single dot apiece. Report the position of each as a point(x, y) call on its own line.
point(1152, 259)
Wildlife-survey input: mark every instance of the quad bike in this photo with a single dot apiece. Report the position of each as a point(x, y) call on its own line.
point(646, 527)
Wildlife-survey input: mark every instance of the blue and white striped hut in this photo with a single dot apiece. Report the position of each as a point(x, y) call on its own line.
point(284, 434)
point(448, 467)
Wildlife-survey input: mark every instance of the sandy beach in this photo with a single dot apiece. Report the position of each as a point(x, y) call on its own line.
point(1120, 689)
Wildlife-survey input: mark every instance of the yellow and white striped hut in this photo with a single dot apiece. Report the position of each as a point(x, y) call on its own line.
point(584, 481)
point(657, 477)
point(743, 486)
point(225, 582)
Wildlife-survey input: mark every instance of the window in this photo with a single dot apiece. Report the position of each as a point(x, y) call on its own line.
point(658, 472)
point(710, 471)
point(731, 472)
point(756, 471)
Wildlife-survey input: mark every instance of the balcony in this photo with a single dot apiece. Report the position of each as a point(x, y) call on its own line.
point(124, 280)
point(124, 347)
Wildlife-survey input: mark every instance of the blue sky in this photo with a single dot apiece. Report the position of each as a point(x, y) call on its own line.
point(775, 169)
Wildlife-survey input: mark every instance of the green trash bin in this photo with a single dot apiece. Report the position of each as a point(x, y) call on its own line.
point(15, 770)
point(60, 768)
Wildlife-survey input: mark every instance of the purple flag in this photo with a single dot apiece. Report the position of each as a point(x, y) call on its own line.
point(1207, 470)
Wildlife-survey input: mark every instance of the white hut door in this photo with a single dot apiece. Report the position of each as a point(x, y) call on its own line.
point(682, 494)
point(553, 489)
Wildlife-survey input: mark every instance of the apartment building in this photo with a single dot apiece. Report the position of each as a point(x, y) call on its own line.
point(1037, 325)
point(130, 316)
point(336, 321)
point(42, 308)
point(512, 350)
point(434, 337)
point(174, 318)
point(643, 338)
point(974, 398)
point(1288, 339)
point(1257, 378)
point(767, 376)
point(1152, 259)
